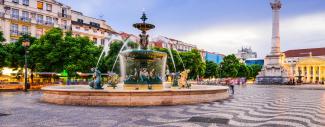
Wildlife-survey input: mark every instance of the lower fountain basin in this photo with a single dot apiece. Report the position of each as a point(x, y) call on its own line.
point(83, 95)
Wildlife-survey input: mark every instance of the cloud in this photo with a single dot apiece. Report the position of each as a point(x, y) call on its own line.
point(305, 31)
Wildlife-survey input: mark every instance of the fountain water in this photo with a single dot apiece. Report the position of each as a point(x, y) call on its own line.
point(125, 43)
point(106, 47)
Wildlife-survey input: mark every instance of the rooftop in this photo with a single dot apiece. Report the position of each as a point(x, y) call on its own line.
point(305, 52)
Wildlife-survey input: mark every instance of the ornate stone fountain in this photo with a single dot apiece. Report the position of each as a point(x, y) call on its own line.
point(143, 68)
point(143, 73)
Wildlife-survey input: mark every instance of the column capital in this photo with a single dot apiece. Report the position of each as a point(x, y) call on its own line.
point(276, 5)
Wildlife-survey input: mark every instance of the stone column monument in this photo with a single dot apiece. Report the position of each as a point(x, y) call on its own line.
point(273, 71)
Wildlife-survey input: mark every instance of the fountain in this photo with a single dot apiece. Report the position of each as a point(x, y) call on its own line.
point(143, 68)
point(142, 82)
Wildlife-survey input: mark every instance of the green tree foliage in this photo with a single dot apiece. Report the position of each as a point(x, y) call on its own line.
point(16, 53)
point(194, 62)
point(255, 69)
point(229, 66)
point(243, 71)
point(3, 51)
point(211, 70)
point(107, 63)
point(53, 53)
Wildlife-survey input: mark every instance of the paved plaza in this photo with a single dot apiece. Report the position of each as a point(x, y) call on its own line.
point(250, 106)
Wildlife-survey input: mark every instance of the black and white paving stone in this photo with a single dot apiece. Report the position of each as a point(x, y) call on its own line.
point(271, 106)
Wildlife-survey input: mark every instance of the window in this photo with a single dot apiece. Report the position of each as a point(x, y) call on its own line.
point(15, 1)
point(86, 29)
point(77, 27)
point(48, 7)
point(25, 30)
point(13, 40)
point(26, 2)
point(40, 5)
point(39, 32)
point(25, 16)
point(95, 40)
point(80, 21)
point(14, 29)
point(39, 19)
point(49, 20)
point(15, 14)
point(95, 31)
point(102, 41)
point(94, 24)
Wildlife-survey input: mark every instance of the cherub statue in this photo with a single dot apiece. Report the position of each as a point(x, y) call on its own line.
point(96, 83)
point(113, 80)
point(183, 78)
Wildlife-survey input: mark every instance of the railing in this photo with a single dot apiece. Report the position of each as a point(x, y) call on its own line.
point(64, 15)
point(49, 23)
point(25, 33)
point(65, 27)
point(14, 32)
point(25, 19)
point(2, 14)
point(39, 21)
point(16, 17)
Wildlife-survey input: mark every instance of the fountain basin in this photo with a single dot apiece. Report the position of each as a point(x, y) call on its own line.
point(82, 95)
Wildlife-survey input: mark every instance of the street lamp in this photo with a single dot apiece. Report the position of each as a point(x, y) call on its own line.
point(26, 44)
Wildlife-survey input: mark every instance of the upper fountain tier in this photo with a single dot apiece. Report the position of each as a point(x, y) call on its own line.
point(144, 27)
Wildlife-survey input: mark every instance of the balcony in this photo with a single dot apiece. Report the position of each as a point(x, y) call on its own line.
point(25, 19)
point(61, 15)
point(49, 23)
point(14, 33)
point(15, 17)
point(65, 27)
point(2, 14)
point(40, 21)
point(25, 33)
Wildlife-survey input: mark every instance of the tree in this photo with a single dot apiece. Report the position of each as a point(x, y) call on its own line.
point(255, 69)
point(194, 63)
point(243, 71)
point(3, 52)
point(229, 66)
point(211, 69)
point(107, 63)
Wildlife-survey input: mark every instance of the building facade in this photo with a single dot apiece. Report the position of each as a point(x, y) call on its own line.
point(35, 17)
point(96, 29)
point(214, 57)
point(164, 42)
point(246, 53)
point(32, 17)
point(252, 61)
point(308, 64)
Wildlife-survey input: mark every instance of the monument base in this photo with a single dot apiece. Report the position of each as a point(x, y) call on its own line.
point(273, 72)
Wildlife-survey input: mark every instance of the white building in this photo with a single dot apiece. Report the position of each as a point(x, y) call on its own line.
point(96, 29)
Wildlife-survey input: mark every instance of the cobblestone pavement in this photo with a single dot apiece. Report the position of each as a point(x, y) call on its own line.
point(250, 106)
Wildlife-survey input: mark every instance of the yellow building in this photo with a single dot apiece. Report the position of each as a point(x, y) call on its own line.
point(32, 17)
point(309, 64)
point(35, 17)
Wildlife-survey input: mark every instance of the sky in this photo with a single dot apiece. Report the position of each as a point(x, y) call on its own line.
point(222, 26)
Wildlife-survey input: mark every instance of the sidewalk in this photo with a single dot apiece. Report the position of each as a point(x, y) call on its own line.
point(302, 87)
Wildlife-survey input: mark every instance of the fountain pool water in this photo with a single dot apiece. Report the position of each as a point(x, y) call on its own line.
point(142, 73)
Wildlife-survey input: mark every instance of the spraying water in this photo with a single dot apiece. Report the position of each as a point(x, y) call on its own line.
point(106, 47)
point(124, 45)
point(165, 40)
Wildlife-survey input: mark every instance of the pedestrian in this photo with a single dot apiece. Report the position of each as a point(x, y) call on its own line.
point(232, 88)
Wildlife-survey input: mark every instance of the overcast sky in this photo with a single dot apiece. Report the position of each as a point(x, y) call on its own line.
point(217, 25)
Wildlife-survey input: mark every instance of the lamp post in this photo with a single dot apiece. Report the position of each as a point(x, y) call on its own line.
point(26, 44)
